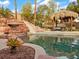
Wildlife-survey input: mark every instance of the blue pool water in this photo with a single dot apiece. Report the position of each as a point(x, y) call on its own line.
point(58, 47)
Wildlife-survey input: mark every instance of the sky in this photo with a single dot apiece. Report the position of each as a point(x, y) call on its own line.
point(9, 3)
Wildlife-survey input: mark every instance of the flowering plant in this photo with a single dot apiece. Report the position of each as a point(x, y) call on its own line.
point(13, 43)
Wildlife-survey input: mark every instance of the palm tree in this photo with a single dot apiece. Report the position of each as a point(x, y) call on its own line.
point(8, 13)
point(74, 6)
point(26, 12)
point(78, 2)
point(15, 5)
point(43, 12)
point(1, 12)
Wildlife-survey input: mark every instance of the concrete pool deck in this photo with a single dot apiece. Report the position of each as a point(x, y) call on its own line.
point(69, 34)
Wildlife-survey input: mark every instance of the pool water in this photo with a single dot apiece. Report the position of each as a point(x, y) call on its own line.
point(58, 47)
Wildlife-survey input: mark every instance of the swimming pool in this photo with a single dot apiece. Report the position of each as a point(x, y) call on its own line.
point(58, 46)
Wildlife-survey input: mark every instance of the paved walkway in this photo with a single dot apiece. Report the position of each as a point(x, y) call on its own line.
point(2, 43)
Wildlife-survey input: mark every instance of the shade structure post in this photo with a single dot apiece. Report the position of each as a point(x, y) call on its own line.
point(71, 24)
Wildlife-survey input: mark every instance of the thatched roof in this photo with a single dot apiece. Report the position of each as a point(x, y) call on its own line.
point(64, 13)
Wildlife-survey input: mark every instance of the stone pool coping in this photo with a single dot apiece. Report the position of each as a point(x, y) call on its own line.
point(69, 34)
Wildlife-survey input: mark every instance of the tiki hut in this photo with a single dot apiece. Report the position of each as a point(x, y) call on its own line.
point(77, 23)
point(66, 18)
point(64, 13)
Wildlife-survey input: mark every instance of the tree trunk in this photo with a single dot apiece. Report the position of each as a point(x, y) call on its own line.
point(15, 5)
point(71, 24)
point(13, 50)
point(35, 10)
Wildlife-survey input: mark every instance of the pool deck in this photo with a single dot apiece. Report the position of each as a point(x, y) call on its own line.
point(71, 34)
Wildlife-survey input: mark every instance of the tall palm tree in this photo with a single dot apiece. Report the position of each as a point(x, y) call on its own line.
point(6, 13)
point(15, 5)
point(35, 2)
point(78, 2)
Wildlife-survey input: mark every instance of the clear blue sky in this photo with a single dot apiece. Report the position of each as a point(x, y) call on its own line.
point(9, 3)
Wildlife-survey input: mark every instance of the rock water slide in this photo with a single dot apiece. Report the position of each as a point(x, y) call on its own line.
point(33, 29)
